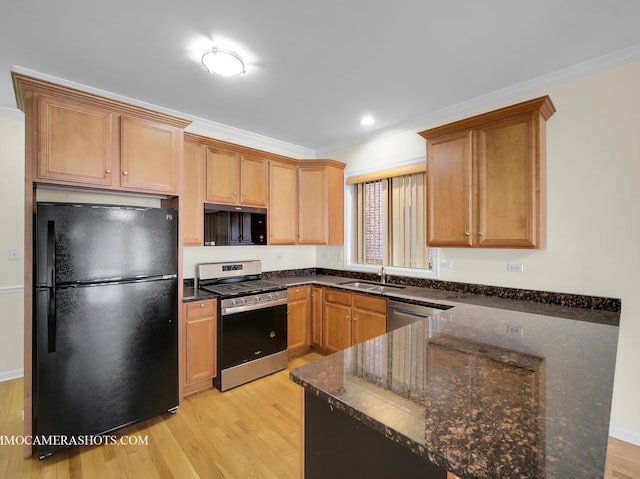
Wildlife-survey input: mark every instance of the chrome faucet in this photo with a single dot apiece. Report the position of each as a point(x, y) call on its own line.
point(383, 275)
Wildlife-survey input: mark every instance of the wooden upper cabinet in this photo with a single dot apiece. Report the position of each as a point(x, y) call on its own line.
point(321, 202)
point(79, 139)
point(223, 176)
point(449, 190)
point(486, 178)
point(509, 183)
point(236, 179)
point(150, 155)
point(254, 184)
point(193, 193)
point(75, 143)
point(283, 204)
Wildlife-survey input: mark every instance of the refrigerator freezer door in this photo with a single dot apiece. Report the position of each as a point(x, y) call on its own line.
point(101, 243)
point(115, 359)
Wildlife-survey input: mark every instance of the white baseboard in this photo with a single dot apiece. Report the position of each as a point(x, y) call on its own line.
point(9, 375)
point(624, 435)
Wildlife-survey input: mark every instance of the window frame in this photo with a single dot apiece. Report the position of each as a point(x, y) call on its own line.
point(350, 253)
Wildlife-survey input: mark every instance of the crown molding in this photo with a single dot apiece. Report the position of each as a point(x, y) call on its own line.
point(198, 125)
point(11, 113)
point(534, 86)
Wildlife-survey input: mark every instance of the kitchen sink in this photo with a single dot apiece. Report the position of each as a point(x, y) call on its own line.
point(367, 286)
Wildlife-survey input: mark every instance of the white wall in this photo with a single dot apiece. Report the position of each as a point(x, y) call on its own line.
point(12, 225)
point(593, 181)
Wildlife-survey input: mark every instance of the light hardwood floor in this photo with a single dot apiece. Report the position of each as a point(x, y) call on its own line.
point(252, 431)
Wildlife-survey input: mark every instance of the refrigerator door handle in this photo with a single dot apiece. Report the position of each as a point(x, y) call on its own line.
point(51, 254)
point(51, 321)
point(51, 283)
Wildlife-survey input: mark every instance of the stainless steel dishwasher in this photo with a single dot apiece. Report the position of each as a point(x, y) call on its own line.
point(401, 314)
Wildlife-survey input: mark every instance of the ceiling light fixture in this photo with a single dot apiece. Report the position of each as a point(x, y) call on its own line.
point(223, 62)
point(367, 120)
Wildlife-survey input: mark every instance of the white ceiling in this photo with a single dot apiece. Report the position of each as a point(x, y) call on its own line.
point(313, 68)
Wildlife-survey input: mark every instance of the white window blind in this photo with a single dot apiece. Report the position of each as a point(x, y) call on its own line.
point(390, 219)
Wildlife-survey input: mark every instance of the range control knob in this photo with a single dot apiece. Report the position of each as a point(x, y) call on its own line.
point(256, 298)
point(270, 296)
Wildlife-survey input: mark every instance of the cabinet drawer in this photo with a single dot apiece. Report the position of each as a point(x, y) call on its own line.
point(201, 309)
point(298, 292)
point(338, 297)
point(370, 303)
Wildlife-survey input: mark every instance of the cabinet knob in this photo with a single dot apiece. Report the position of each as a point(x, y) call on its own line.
point(202, 305)
point(297, 290)
point(244, 194)
point(125, 173)
point(235, 193)
point(466, 233)
point(480, 233)
point(108, 171)
point(347, 316)
point(354, 318)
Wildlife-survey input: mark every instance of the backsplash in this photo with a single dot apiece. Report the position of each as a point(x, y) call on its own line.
point(462, 289)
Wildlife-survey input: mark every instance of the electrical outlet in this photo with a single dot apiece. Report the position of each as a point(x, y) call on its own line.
point(14, 254)
point(446, 263)
point(515, 268)
point(515, 330)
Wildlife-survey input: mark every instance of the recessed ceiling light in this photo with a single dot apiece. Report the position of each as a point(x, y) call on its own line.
point(367, 120)
point(223, 62)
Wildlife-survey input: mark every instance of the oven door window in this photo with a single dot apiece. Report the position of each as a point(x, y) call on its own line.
point(253, 334)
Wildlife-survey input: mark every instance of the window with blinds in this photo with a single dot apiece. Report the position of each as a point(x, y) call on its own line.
point(390, 219)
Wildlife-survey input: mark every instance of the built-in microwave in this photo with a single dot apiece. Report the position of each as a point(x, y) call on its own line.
point(226, 225)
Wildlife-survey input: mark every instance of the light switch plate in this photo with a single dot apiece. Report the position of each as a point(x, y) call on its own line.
point(515, 268)
point(15, 254)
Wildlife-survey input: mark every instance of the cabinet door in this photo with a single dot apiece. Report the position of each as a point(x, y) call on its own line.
point(312, 205)
point(298, 311)
point(75, 143)
point(337, 327)
point(200, 335)
point(508, 183)
point(193, 193)
point(449, 190)
point(150, 155)
point(283, 203)
point(316, 316)
point(369, 317)
point(254, 175)
point(223, 176)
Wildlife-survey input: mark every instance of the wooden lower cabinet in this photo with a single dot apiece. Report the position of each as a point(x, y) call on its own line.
point(316, 317)
point(351, 318)
point(336, 312)
point(200, 345)
point(298, 319)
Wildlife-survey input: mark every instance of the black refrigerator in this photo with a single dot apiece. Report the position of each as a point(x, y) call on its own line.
point(105, 319)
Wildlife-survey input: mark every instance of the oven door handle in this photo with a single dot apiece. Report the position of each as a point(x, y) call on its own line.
point(252, 307)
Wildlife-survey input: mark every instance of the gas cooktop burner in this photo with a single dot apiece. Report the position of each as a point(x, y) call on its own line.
point(242, 287)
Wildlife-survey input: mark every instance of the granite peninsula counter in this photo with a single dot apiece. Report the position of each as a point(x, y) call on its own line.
point(483, 392)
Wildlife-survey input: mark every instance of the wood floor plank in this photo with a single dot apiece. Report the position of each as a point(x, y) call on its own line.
point(252, 431)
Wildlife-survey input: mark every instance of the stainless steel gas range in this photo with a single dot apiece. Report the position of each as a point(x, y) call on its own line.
point(252, 321)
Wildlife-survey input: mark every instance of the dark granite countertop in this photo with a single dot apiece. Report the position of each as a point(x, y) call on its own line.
point(482, 392)
point(503, 383)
